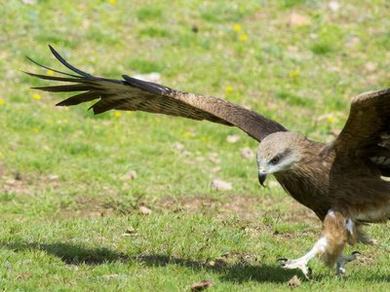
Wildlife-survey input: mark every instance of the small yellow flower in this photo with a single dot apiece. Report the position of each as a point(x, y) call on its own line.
point(2, 101)
point(236, 27)
point(35, 130)
point(229, 89)
point(117, 114)
point(331, 119)
point(243, 37)
point(36, 96)
point(294, 74)
point(112, 2)
point(50, 72)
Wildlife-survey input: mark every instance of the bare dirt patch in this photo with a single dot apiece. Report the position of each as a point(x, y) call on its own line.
point(242, 206)
point(86, 207)
point(25, 184)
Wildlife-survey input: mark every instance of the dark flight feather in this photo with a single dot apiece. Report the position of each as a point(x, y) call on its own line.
point(64, 88)
point(79, 98)
point(48, 68)
point(368, 122)
point(134, 94)
point(53, 78)
point(66, 64)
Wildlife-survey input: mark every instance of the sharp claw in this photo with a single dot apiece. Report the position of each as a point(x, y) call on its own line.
point(340, 273)
point(343, 260)
point(282, 260)
point(292, 264)
point(307, 273)
point(354, 255)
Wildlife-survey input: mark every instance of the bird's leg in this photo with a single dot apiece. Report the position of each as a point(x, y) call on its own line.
point(301, 263)
point(355, 234)
point(330, 246)
point(343, 260)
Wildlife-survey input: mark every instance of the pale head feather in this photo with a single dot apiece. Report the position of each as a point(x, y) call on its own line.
point(280, 151)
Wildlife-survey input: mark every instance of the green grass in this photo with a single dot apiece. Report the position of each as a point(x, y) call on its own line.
point(71, 218)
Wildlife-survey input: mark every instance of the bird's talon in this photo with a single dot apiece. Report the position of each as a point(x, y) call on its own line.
point(356, 253)
point(343, 260)
point(281, 261)
point(296, 264)
point(310, 272)
point(307, 272)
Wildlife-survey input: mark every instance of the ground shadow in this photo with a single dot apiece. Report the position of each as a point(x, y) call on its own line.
point(77, 255)
point(71, 254)
point(237, 272)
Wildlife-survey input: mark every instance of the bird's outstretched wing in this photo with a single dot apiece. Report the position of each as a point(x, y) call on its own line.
point(366, 135)
point(136, 95)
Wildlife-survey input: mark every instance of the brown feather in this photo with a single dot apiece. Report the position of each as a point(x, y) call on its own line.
point(64, 88)
point(79, 98)
point(133, 94)
point(368, 121)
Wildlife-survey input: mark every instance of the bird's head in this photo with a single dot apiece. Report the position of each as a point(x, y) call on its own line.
point(278, 152)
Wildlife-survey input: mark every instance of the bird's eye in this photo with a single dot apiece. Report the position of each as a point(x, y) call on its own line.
point(275, 160)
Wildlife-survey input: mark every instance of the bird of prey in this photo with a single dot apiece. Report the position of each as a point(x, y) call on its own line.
point(346, 183)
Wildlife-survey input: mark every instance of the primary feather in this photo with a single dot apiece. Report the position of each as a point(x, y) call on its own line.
point(137, 95)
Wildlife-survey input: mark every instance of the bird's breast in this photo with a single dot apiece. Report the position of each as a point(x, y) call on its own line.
point(308, 188)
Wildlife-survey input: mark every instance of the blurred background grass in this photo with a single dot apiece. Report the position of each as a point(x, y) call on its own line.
point(298, 62)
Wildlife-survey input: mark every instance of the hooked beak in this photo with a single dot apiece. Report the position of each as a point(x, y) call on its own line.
point(262, 177)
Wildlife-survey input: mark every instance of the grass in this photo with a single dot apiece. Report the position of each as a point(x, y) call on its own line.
point(71, 214)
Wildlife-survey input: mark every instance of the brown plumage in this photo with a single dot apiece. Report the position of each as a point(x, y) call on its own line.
point(346, 183)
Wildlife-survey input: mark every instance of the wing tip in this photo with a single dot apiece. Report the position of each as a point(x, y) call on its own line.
point(96, 110)
point(51, 48)
point(146, 85)
point(67, 64)
point(61, 103)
